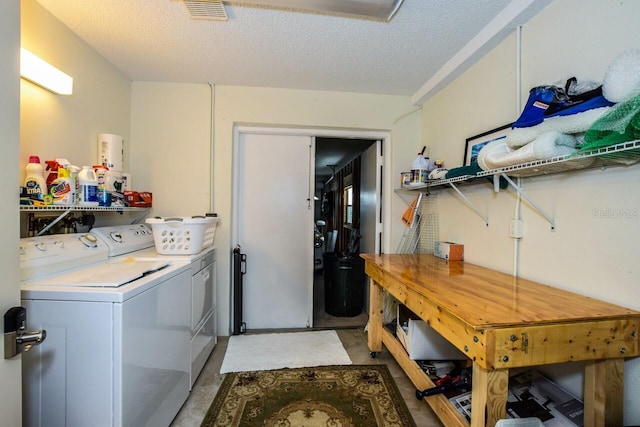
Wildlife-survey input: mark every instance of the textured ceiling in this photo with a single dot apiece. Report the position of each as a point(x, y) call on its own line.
point(157, 40)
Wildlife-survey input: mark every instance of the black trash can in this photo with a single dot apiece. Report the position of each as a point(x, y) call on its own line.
point(343, 284)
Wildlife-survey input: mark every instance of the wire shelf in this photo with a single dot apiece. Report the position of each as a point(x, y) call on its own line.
point(62, 208)
point(622, 154)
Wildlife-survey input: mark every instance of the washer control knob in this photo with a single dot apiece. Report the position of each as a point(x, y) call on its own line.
point(89, 240)
point(116, 236)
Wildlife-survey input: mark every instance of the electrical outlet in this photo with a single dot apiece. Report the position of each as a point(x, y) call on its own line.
point(516, 228)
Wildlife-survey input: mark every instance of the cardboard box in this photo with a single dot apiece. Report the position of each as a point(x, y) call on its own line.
point(421, 341)
point(138, 199)
point(449, 250)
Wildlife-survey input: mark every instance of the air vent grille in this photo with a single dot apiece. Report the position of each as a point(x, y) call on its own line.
point(206, 9)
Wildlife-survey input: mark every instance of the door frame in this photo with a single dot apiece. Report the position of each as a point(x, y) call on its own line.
point(384, 136)
point(10, 369)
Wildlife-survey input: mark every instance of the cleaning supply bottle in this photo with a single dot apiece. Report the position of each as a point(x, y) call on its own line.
point(104, 198)
point(430, 165)
point(419, 169)
point(51, 170)
point(34, 182)
point(101, 174)
point(75, 185)
point(62, 189)
point(88, 185)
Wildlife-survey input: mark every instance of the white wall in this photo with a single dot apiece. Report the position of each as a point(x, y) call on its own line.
point(54, 126)
point(170, 150)
point(154, 116)
point(589, 253)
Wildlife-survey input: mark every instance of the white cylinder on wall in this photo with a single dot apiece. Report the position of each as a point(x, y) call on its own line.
point(111, 151)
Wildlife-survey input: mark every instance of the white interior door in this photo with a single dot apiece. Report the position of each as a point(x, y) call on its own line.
point(371, 204)
point(370, 199)
point(275, 228)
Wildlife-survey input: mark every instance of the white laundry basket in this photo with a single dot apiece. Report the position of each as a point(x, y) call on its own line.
point(183, 235)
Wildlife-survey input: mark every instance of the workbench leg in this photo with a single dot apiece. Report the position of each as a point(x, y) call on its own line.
point(488, 396)
point(603, 390)
point(375, 317)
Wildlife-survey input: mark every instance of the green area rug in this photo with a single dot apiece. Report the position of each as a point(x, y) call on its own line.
point(340, 396)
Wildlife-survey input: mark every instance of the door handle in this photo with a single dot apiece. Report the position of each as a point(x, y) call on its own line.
point(16, 337)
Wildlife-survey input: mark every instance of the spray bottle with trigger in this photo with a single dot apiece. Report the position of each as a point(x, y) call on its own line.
point(62, 188)
point(52, 169)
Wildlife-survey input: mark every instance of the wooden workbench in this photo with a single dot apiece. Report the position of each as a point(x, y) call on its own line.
point(502, 322)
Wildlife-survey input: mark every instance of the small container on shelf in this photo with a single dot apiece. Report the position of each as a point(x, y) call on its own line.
point(405, 179)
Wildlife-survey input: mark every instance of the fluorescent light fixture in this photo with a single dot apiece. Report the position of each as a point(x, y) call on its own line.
point(44, 74)
point(376, 9)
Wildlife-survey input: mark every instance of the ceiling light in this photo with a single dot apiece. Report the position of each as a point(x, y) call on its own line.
point(376, 9)
point(44, 74)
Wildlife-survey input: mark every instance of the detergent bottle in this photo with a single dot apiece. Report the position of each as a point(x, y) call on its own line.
point(34, 182)
point(62, 189)
point(88, 186)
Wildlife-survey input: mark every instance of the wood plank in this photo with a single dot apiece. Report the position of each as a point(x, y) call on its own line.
point(486, 298)
point(540, 345)
point(488, 396)
point(603, 393)
point(374, 337)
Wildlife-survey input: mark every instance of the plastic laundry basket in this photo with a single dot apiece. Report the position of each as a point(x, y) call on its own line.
point(183, 235)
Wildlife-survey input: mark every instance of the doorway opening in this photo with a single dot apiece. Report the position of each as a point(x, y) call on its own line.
point(258, 188)
point(338, 284)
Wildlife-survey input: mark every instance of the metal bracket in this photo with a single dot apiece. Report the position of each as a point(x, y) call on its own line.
point(470, 204)
point(55, 221)
point(520, 191)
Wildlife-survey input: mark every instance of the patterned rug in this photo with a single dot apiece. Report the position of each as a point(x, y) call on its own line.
point(339, 396)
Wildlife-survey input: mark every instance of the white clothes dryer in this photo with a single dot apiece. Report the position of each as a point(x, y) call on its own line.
point(202, 294)
point(118, 333)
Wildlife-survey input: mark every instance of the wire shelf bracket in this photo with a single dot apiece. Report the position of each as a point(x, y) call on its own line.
point(522, 193)
point(470, 204)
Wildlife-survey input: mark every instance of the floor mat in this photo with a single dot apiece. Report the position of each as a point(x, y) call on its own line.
point(262, 352)
point(349, 396)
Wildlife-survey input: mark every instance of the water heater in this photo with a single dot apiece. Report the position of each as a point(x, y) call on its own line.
point(111, 151)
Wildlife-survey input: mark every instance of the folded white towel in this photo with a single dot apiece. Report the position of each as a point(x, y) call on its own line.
point(552, 144)
point(492, 152)
point(574, 123)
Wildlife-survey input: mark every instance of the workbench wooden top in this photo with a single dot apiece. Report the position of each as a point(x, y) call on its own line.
point(483, 298)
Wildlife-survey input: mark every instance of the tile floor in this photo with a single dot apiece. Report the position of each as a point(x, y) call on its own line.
point(354, 341)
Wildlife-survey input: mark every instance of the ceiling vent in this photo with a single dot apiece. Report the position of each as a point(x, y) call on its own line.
point(212, 10)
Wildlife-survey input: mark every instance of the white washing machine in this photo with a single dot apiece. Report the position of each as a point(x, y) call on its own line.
point(203, 307)
point(118, 333)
